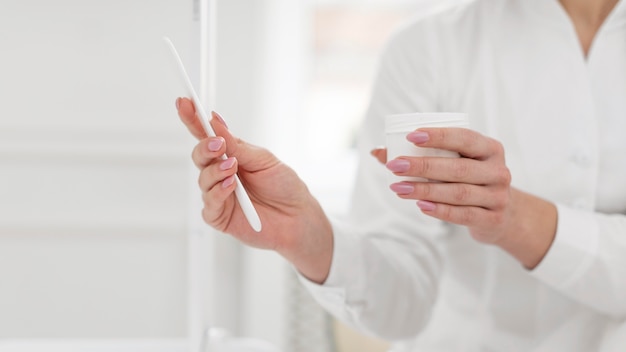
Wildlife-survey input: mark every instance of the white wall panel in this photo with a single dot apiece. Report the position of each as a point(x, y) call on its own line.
point(93, 170)
point(114, 284)
point(54, 185)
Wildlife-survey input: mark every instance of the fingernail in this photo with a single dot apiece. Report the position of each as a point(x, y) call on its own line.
point(227, 164)
point(177, 103)
point(215, 144)
point(426, 206)
point(228, 181)
point(220, 119)
point(418, 137)
point(402, 188)
point(398, 165)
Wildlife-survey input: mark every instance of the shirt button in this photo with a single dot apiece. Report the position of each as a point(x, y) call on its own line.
point(582, 159)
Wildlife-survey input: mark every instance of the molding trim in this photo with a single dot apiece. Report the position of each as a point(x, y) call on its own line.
point(108, 144)
point(109, 231)
point(152, 345)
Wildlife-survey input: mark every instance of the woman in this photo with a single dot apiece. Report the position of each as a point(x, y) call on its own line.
point(527, 254)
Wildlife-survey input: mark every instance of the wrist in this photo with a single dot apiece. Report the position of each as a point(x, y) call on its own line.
point(531, 229)
point(310, 251)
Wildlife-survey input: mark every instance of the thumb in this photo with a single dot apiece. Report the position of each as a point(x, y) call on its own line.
point(380, 153)
point(249, 157)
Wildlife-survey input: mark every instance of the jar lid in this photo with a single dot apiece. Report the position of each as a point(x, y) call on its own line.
point(412, 121)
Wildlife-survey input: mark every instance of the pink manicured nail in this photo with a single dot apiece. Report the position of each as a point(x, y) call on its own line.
point(215, 144)
point(402, 188)
point(177, 103)
point(426, 206)
point(398, 165)
point(220, 119)
point(418, 137)
point(228, 181)
point(227, 164)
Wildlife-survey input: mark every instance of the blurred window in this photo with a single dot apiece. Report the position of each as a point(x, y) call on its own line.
point(348, 37)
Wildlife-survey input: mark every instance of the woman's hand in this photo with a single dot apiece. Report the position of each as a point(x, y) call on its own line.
point(293, 222)
point(475, 191)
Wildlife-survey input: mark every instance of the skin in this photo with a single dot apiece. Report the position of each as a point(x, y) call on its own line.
point(477, 192)
point(587, 17)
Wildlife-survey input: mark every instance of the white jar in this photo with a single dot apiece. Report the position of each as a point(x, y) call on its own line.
point(397, 127)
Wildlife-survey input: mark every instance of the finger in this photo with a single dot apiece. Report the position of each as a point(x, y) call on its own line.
point(219, 127)
point(207, 150)
point(216, 173)
point(468, 143)
point(187, 114)
point(461, 170)
point(380, 154)
point(460, 215)
point(251, 157)
point(451, 193)
point(219, 203)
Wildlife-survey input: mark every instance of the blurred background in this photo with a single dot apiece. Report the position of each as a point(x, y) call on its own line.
point(97, 193)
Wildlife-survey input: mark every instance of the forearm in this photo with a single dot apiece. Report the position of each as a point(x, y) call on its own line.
point(533, 223)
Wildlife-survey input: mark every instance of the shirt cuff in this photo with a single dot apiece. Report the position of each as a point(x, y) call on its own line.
point(574, 248)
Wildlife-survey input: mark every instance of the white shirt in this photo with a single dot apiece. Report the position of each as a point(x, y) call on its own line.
point(517, 68)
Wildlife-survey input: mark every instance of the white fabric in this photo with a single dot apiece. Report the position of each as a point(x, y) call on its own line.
point(517, 69)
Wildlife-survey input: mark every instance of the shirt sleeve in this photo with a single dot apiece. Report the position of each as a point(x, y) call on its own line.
point(387, 258)
point(587, 260)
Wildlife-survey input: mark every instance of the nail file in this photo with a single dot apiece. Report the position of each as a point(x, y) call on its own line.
point(242, 196)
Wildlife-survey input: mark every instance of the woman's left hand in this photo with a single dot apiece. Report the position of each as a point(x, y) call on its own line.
point(475, 191)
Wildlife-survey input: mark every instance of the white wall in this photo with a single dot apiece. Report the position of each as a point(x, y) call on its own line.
point(93, 170)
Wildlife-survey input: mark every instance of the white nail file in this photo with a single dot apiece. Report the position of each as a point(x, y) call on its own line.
point(240, 192)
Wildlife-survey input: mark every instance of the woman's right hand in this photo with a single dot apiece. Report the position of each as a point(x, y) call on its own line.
point(294, 224)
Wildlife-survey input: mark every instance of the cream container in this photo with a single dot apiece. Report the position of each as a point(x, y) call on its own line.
point(397, 127)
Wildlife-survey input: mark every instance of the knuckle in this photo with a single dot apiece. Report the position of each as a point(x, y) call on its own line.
point(206, 215)
point(196, 155)
point(461, 169)
point(201, 180)
point(468, 138)
point(425, 189)
point(467, 215)
point(194, 152)
point(497, 147)
point(205, 181)
point(442, 135)
point(461, 193)
point(206, 198)
point(422, 166)
point(503, 175)
point(446, 212)
point(211, 218)
point(238, 143)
